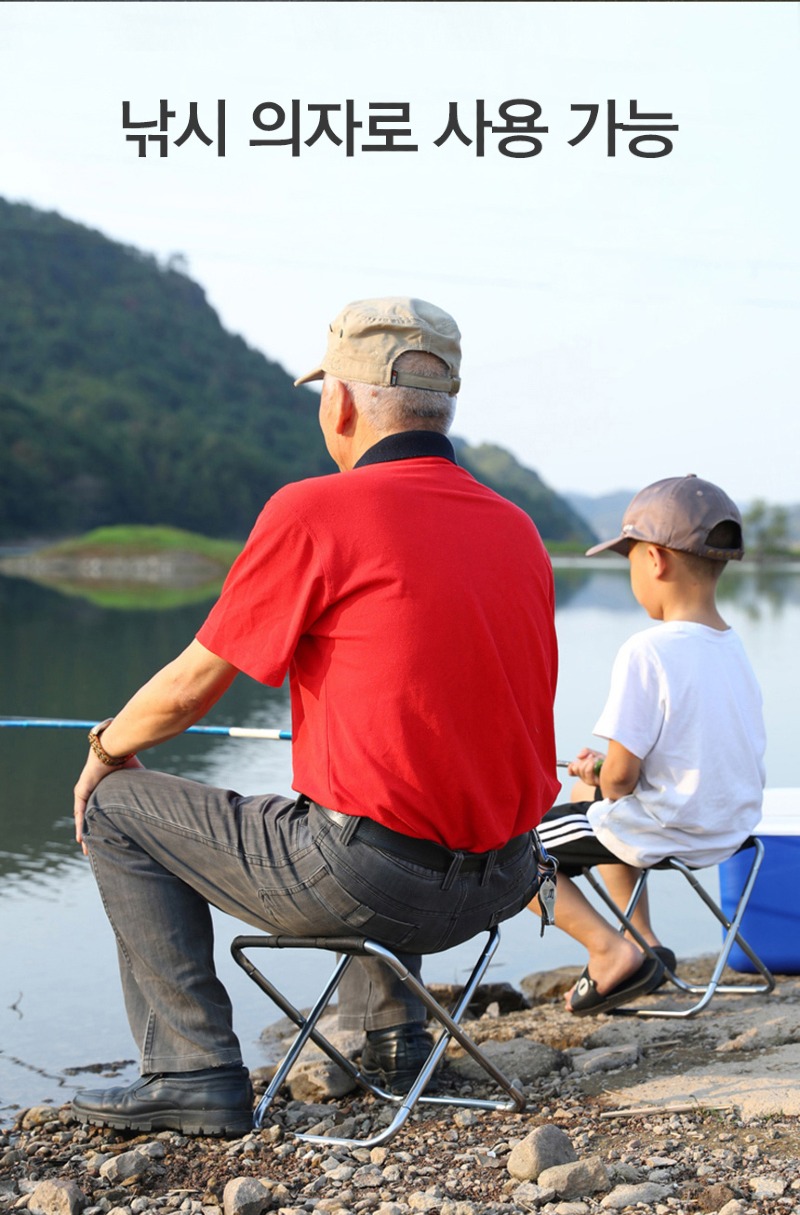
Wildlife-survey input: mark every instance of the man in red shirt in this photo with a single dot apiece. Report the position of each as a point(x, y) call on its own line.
point(412, 609)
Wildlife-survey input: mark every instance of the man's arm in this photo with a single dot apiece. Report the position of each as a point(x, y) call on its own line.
point(176, 697)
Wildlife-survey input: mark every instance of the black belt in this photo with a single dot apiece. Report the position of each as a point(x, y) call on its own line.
point(422, 852)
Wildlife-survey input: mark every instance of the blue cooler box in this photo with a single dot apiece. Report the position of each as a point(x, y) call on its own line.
point(771, 924)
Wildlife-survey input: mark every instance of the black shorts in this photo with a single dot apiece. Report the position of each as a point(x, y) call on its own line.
point(567, 835)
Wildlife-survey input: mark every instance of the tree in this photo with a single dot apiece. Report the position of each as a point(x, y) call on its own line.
point(766, 530)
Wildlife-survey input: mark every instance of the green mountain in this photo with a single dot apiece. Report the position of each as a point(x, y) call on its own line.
point(123, 399)
point(496, 467)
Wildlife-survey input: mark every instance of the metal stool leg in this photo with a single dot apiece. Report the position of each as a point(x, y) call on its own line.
point(448, 1021)
point(732, 936)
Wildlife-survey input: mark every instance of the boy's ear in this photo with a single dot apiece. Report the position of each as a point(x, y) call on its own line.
point(659, 559)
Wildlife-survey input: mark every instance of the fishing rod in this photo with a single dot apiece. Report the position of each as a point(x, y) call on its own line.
point(69, 723)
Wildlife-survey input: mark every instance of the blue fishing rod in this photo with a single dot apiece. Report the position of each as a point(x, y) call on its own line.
point(69, 723)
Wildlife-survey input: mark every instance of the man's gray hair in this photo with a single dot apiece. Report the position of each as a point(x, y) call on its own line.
point(400, 408)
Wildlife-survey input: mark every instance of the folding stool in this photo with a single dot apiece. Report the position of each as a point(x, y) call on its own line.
point(731, 926)
point(349, 948)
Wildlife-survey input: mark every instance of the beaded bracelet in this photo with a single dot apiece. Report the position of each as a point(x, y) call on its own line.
point(598, 763)
point(111, 761)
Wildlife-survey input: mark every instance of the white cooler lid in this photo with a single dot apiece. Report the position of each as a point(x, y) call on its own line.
point(781, 813)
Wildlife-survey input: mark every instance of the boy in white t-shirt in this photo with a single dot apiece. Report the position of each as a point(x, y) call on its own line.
point(684, 773)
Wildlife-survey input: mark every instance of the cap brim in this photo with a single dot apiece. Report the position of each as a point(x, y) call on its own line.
point(621, 545)
point(317, 374)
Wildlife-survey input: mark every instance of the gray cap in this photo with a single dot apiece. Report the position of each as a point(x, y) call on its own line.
point(368, 336)
point(679, 513)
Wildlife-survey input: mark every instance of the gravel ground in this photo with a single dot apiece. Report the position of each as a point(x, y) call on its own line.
point(672, 1155)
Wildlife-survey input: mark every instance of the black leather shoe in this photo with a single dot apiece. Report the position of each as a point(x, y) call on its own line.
point(214, 1101)
point(392, 1057)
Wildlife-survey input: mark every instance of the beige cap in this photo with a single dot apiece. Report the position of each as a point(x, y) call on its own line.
point(679, 513)
point(369, 335)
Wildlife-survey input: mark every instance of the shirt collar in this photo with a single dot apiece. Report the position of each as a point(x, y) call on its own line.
point(408, 445)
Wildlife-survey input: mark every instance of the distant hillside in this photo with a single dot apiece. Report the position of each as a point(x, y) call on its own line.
point(554, 516)
point(603, 513)
point(123, 399)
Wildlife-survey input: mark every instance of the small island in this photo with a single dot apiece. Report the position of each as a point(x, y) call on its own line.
point(129, 565)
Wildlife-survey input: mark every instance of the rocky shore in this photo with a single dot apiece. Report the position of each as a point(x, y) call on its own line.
point(660, 1116)
point(170, 568)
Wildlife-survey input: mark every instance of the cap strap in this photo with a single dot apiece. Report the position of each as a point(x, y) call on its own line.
point(404, 379)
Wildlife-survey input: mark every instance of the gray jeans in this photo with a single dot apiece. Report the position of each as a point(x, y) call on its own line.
point(163, 849)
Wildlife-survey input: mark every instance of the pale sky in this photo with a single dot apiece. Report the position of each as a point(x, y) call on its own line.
point(624, 318)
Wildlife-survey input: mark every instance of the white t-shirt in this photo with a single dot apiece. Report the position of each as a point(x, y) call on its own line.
point(684, 700)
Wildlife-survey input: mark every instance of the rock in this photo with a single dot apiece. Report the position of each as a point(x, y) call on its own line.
point(369, 1176)
point(622, 1172)
point(578, 1179)
point(605, 1058)
point(38, 1115)
point(520, 1057)
point(713, 1197)
point(734, 1207)
point(56, 1198)
point(126, 1165)
point(545, 1147)
point(629, 1195)
point(506, 998)
point(155, 1150)
point(549, 984)
point(530, 1196)
point(768, 1187)
point(315, 1079)
point(424, 1202)
point(307, 1113)
point(245, 1196)
point(341, 1172)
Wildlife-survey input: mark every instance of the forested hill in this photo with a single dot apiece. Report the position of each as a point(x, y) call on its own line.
point(123, 399)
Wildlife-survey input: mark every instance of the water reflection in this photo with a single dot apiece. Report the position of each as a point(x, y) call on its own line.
point(765, 592)
point(759, 589)
point(66, 657)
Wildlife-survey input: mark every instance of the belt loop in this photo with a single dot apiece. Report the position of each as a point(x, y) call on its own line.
point(488, 866)
point(349, 829)
point(453, 871)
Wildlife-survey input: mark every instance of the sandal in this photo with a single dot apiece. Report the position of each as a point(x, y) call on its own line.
point(587, 1001)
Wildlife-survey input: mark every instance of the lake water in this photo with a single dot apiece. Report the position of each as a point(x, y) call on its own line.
point(63, 656)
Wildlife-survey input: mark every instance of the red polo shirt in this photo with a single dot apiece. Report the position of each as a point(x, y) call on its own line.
point(412, 608)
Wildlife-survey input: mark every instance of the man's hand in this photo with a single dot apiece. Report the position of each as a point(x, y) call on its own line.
point(175, 698)
point(93, 772)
